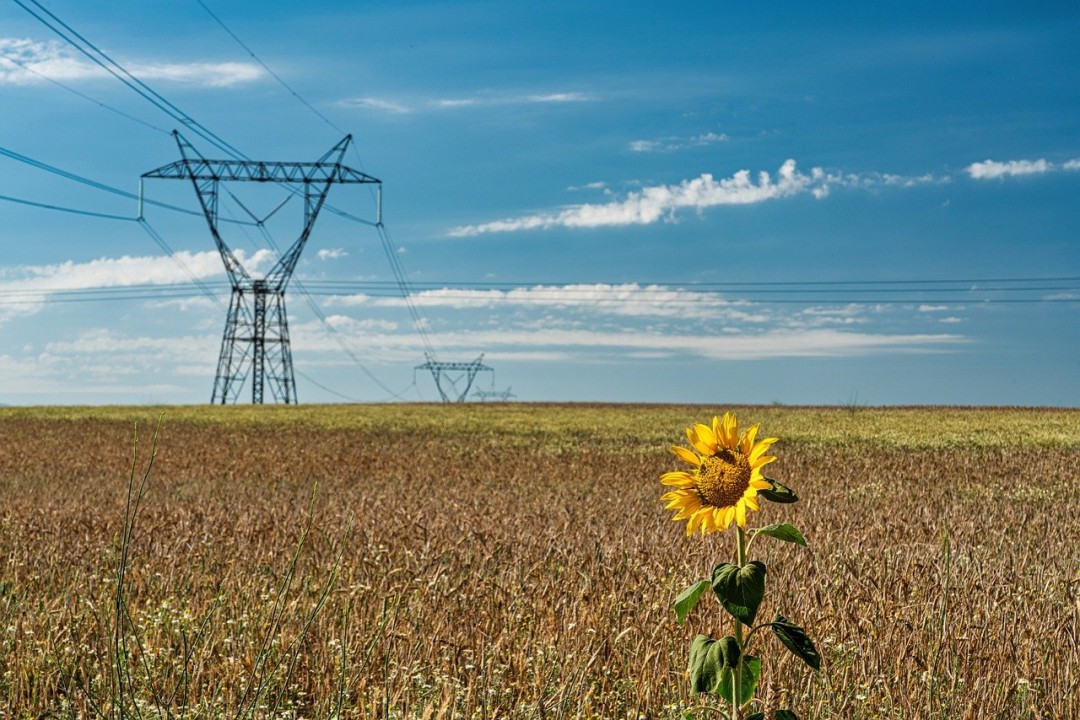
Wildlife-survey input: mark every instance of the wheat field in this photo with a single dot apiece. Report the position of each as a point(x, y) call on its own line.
point(514, 561)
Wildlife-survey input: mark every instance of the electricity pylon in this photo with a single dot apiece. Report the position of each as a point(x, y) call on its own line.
point(503, 395)
point(453, 373)
point(256, 337)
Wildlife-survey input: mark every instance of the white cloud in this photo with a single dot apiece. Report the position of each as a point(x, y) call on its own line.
point(992, 169)
point(399, 106)
point(673, 143)
point(652, 204)
point(1071, 164)
point(373, 103)
point(627, 299)
point(565, 97)
point(24, 61)
point(26, 288)
point(332, 253)
point(223, 74)
point(771, 344)
point(662, 202)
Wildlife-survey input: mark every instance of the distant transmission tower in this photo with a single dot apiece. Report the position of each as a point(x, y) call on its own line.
point(453, 373)
point(503, 395)
point(256, 337)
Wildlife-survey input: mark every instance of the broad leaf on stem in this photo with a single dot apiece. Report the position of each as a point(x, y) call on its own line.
point(783, 531)
point(706, 664)
point(688, 598)
point(740, 589)
point(778, 493)
point(795, 639)
point(749, 673)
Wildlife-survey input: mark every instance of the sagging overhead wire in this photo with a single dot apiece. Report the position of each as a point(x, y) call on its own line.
point(391, 254)
point(102, 59)
point(550, 295)
point(84, 96)
point(27, 160)
point(256, 58)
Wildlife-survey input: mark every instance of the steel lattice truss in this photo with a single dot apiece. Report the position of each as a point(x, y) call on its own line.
point(256, 337)
point(453, 373)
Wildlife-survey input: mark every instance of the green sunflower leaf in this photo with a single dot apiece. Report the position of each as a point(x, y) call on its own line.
point(785, 715)
point(688, 598)
point(750, 672)
point(740, 589)
point(706, 664)
point(756, 716)
point(731, 651)
point(795, 639)
point(783, 531)
point(778, 493)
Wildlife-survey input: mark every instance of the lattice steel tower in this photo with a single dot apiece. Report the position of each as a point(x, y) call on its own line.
point(256, 337)
point(453, 373)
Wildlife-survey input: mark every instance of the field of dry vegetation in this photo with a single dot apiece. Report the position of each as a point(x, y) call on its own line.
point(514, 561)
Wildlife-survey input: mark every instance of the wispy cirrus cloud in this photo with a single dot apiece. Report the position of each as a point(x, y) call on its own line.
point(560, 344)
point(404, 106)
point(663, 202)
point(24, 62)
point(598, 304)
point(625, 299)
point(675, 143)
point(996, 170)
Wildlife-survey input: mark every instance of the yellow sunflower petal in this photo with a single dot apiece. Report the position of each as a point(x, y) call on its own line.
point(751, 502)
point(747, 442)
point(687, 456)
point(729, 515)
point(762, 461)
point(680, 498)
point(708, 521)
point(686, 511)
point(761, 484)
point(695, 521)
point(740, 513)
point(702, 438)
point(677, 479)
point(759, 448)
point(728, 436)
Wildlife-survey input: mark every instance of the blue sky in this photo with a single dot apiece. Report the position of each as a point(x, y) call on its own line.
point(805, 203)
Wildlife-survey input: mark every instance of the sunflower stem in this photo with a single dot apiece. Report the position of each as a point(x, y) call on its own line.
point(736, 674)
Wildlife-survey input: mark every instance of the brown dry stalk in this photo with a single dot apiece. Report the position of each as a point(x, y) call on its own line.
point(496, 572)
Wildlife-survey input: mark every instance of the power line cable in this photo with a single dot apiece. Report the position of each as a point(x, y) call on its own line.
point(157, 238)
point(395, 263)
point(103, 60)
point(387, 290)
point(75, 211)
point(40, 165)
point(84, 96)
point(268, 69)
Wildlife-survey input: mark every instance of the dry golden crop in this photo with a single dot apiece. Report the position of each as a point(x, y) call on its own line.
point(515, 561)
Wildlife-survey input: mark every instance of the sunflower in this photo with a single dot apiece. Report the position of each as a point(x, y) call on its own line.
point(725, 478)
